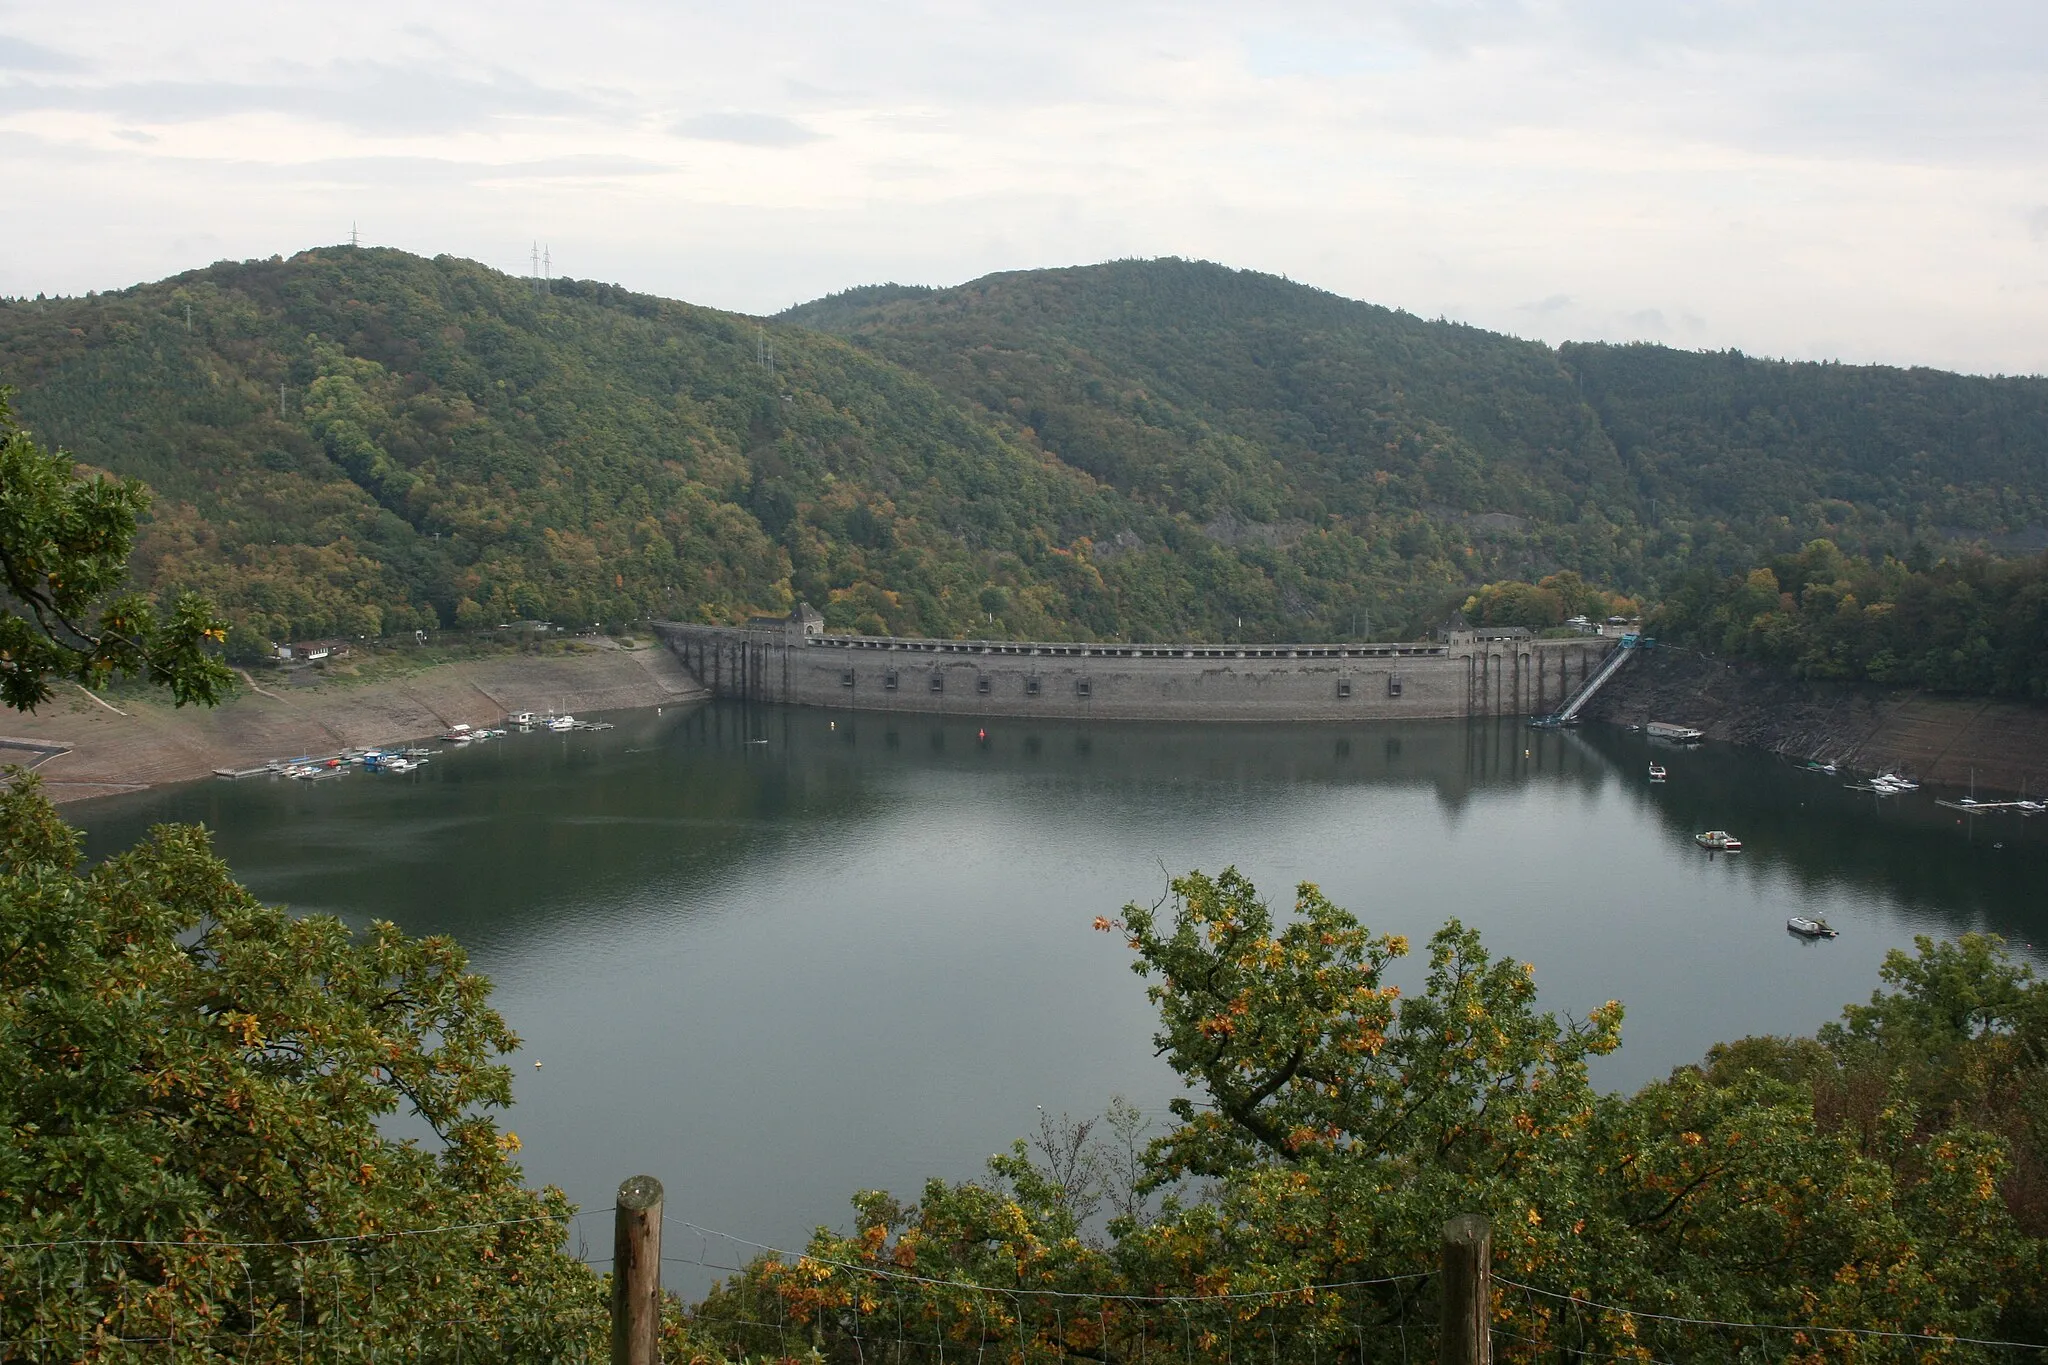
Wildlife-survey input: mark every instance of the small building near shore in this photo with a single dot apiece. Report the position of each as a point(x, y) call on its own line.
point(312, 651)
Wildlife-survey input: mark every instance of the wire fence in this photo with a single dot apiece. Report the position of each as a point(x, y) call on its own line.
point(469, 1292)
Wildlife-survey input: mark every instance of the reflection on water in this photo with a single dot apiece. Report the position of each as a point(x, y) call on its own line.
point(774, 956)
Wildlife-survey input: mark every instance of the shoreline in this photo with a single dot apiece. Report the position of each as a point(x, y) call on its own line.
point(1997, 745)
point(84, 746)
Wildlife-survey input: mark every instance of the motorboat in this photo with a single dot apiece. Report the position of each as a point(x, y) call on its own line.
point(1718, 841)
point(1657, 773)
point(457, 734)
point(560, 723)
point(522, 718)
point(1811, 928)
point(1895, 782)
point(1818, 767)
point(1677, 734)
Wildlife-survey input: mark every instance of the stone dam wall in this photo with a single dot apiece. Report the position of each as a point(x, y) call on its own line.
point(1464, 675)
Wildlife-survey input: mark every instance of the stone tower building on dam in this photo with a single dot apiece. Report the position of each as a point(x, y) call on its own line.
point(1463, 672)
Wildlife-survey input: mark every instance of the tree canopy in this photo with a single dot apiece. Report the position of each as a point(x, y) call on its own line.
point(1970, 623)
point(1879, 1177)
point(191, 1086)
point(64, 548)
point(367, 442)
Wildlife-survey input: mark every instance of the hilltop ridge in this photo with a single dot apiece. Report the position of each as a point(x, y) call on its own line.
point(365, 441)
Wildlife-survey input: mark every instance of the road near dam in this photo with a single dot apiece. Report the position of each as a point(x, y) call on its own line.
point(1465, 672)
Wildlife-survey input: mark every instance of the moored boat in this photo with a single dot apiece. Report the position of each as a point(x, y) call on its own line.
point(1657, 773)
point(1678, 734)
point(1811, 928)
point(1718, 841)
point(457, 734)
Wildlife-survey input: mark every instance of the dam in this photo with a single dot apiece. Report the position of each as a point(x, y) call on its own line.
point(1463, 671)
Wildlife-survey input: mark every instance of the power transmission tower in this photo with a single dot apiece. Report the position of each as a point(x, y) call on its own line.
point(354, 239)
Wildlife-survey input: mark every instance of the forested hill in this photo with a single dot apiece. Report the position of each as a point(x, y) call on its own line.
point(368, 441)
point(362, 441)
point(1217, 390)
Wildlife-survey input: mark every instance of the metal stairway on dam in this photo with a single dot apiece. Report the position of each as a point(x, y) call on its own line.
point(1611, 665)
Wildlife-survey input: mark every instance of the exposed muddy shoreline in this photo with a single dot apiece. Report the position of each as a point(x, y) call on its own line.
point(83, 747)
point(2002, 746)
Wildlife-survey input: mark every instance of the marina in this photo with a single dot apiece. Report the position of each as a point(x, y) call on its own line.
point(397, 760)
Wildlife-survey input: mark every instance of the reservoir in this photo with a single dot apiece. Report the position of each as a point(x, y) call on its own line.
point(776, 955)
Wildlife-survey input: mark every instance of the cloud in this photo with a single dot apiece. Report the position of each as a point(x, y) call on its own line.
point(370, 97)
point(1779, 177)
point(17, 54)
point(430, 171)
point(746, 129)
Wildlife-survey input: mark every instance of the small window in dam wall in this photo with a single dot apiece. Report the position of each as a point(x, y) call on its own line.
point(1031, 686)
point(1083, 688)
point(981, 684)
point(1343, 688)
point(846, 678)
point(1393, 684)
point(938, 682)
point(889, 681)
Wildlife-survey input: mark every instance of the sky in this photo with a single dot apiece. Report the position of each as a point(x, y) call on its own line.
point(1863, 180)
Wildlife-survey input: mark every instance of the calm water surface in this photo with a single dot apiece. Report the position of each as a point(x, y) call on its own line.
point(774, 956)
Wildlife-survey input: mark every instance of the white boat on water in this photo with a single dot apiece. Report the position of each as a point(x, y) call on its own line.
point(1678, 734)
point(522, 718)
point(457, 734)
point(1657, 773)
point(1810, 928)
point(1718, 841)
point(1893, 782)
point(561, 723)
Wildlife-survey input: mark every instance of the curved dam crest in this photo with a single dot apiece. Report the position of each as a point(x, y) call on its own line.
point(1466, 672)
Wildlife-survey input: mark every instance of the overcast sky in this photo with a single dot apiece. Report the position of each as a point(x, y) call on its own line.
point(1858, 179)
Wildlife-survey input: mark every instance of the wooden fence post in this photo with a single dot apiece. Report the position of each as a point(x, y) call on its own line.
point(636, 1273)
point(1467, 1285)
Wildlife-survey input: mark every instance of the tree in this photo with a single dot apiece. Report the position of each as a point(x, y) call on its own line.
point(1332, 1125)
point(64, 547)
point(191, 1088)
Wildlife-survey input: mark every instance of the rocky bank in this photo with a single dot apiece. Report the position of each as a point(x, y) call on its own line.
point(2003, 745)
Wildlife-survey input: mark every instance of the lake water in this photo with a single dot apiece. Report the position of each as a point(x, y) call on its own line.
point(774, 956)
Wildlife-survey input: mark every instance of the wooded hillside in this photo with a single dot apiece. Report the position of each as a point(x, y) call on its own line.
point(365, 441)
